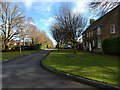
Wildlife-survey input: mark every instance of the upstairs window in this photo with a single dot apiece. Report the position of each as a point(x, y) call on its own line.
point(98, 31)
point(92, 33)
point(112, 28)
point(87, 35)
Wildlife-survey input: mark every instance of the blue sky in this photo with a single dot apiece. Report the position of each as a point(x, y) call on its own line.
point(43, 12)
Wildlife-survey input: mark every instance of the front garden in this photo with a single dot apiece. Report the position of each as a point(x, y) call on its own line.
point(99, 67)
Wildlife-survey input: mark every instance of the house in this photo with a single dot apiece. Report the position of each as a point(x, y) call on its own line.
point(107, 26)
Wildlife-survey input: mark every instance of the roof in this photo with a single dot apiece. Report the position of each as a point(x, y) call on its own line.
point(93, 24)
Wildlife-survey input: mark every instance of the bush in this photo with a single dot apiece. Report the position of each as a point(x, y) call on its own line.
point(43, 46)
point(31, 47)
point(111, 45)
point(36, 46)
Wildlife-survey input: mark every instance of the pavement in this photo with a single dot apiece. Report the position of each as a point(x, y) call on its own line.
point(26, 72)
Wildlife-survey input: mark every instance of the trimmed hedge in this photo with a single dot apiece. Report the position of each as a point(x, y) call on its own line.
point(111, 45)
point(31, 47)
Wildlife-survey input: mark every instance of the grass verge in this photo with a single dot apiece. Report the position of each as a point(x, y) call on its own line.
point(99, 67)
point(14, 54)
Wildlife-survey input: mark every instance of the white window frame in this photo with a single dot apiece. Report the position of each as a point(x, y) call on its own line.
point(112, 28)
point(98, 31)
point(99, 43)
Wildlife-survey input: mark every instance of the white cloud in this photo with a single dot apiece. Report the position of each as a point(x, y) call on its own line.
point(28, 3)
point(45, 0)
point(44, 6)
point(81, 6)
point(47, 22)
point(32, 23)
point(48, 8)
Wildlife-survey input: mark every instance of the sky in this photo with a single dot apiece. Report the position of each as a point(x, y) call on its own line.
point(44, 11)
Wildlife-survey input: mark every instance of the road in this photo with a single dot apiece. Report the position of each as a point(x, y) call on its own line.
point(26, 72)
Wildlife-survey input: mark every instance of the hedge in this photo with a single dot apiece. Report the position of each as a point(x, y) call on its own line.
point(27, 47)
point(111, 45)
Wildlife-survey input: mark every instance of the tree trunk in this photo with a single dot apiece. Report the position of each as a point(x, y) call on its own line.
point(75, 48)
point(32, 41)
point(6, 46)
point(58, 47)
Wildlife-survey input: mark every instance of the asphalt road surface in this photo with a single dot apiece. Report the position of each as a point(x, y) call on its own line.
point(26, 72)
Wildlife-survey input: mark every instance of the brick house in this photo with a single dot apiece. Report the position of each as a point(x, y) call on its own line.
point(107, 26)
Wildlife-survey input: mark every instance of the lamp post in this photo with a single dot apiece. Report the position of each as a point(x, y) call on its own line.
point(20, 43)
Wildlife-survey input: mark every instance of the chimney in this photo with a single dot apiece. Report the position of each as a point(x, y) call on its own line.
point(91, 21)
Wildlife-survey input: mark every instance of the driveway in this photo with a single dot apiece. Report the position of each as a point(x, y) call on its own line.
point(26, 72)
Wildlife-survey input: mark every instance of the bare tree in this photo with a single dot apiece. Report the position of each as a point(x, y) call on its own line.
point(101, 7)
point(72, 24)
point(11, 19)
point(30, 30)
point(49, 42)
point(57, 33)
point(33, 33)
point(41, 39)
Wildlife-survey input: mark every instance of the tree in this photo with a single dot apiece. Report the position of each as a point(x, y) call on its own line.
point(49, 42)
point(103, 6)
point(11, 19)
point(30, 30)
point(57, 33)
point(36, 35)
point(72, 24)
point(33, 33)
point(43, 38)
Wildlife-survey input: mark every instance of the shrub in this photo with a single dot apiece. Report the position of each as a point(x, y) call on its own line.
point(111, 45)
point(43, 46)
point(27, 47)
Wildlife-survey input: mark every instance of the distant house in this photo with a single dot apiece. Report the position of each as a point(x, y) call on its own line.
point(108, 26)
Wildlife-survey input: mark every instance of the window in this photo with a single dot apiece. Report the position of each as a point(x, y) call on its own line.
point(92, 33)
point(86, 44)
point(98, 31)
point(87, 35)
point(112, 28)
point(99, 43)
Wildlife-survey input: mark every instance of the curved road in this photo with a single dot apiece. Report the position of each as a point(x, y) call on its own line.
point(26, 72)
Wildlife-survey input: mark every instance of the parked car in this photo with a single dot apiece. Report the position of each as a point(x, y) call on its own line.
point(68, 47)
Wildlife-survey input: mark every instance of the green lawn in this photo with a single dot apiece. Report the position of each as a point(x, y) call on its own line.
point(14, 54)
point(99, 67)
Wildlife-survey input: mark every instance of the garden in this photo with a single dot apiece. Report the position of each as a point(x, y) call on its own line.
point(99, 67)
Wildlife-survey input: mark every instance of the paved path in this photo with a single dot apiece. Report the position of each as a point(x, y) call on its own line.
point(26, 72)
